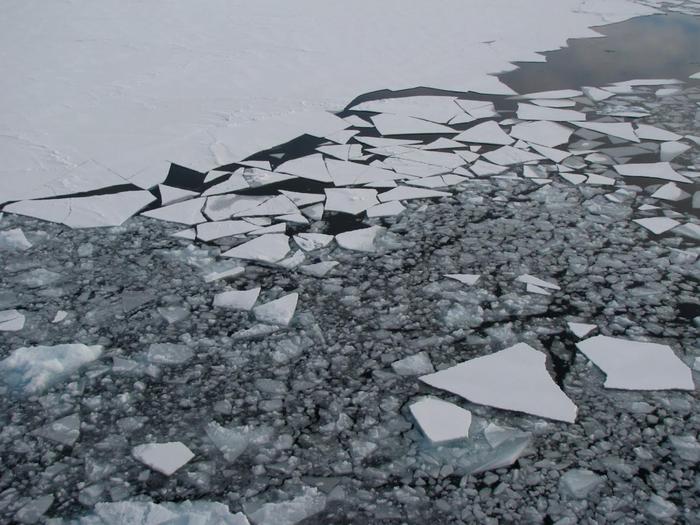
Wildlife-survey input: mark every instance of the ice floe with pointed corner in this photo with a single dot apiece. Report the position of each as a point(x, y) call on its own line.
point(186, 212)
point(512, 379)
point(344, 173)
point(530, 279)
point(654, 170)
point(553, 95)
point(688, 230)
point(387, 209)
point(413, 365)
point(352, 201)
point(508, 155)
point(597, 94)
point(222, 207)
point(634, 365)
point(36, 368)
point(427, 107)
point(434, 158)
point(657, 225)
point(532, 112)
point(318, 269)
point(442, 143)
point(483, 168)
point(165, 458)
point(303, 199)
point(441, 421)
point(291, 512)
point(647, 132)
point(237, 299)
point(581, 329)
point(308, 167)
point(622, 130)
point(11, 321)
point(312, 241)
point(278, 205)
point(341, 151)
point(477, 109)
point(388, 124)
point(671, 150)
point(14, 240)
point(485, 133)
point(236, 181)
point(65, 430)
point(227, 273)
point(278, 312)
point(544, 133)
point(147, 513)
point(271, 247)
point(469, 279)
point(670, 192)
point(60, 316)
point(209, 231)
point(533, 288)
point(361, 240)
point(553, 154)
point(171, 195)
point(403, 193)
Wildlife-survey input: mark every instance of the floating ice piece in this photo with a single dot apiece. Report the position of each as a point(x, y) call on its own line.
point(441, 421)
point(353, 173)
point(293, 260)
point(478, 109)
point(237, 299)
point(342, 136)
point(654, 170)
point(303, 199)
point(597, 94)
point(648, 207)
point(553, 154)
point(359, 240)
point(85, 212)
point(318, 269)
point(225, 206)
point(554, 95)
point(165, 458)
point(573, 178)
point(529, 279)
point(513, 379)
point(632, 365)
point(695, 76)
point(581, 329)
point(352, 201)
point(622, 111)
point(14, 240)
point(272, 247)
point(413, 365)
point(34, 509)
point(670, 192)
point(434, 158)
point(65, 430)
point(508, 155)
point(579, 483)
point(553, 103)
point(469, 279)
point(357, 122)
point(257, 178)
point(688, 230)
point(671, 150)
point(468, 156)
point(309, 167)
point(545, 133)
point(11, 321)
point(622, 130)
point(666, 92)
point(496, 435)
point(60, 316)
point(482, 168)
point(187, 212)
point(312, 241)
point(215, 174)
point(402, 193)
point(189, 234)
point(412, 168)
point(533, 288)
point(657, 225)
point(647, 132)
point(224, 274)
point(278, 205)
point(442, 143)
point(341, 151)
point(169, 353)
point(209, 231)
point(314, 212)
point(274, 228)
point(388, 209)
point(485, 133)
point(388, 124)
point(382, 142)
point(599, 180)
point(290, 512)
point(260, 164)
point(147, 513)
point(236, 181)
point(432, 108)
point(532, 112)
point(36, 368)
point(648, 82)
point(277, 312)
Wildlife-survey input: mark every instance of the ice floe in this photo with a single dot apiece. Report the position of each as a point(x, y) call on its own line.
point(14, 240)
point(271, 247)
point(485, 133)
point(388, 124)
point(11, 321)
point(318, 269)
point(623, 130)
point(647, 132)
point(655, 170)
point(309, 167)
point(352, 201)
point(413, 365)
point(469, 279)
point(657, 225)
point(441, 421)
point(310, 502)
point(209, 231)
point(359, 240)
point(544, 133)
point(237, 299)
point(278, 312)
point(581, 329)
point(403, 193)
point(166, 458)
point(387, 209)
point(530, 279)
point(312, 241)
point(532, 112)
point(670, 192)
point(65, 430)
point(187, 212)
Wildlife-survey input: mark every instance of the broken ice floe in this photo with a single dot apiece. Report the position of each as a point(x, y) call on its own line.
point(278, 312)
point(11, 321)
point(581, 329)
point(469, 279)
point(14, 240)
point(441, 421)
point(271, 247)
point(359, 240)
point(65, 430)
point(148, 513)
point(237, 299)
point(165, 458)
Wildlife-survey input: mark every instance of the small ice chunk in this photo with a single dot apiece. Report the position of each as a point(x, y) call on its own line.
point(529, 279)
point(633, 365)
point(224, 274)
point(318, 269)
point(441, 421)
point(579, 483)
point(532, 112)
point(291, 512)
point(236, 181)
point(533, 288)
point(36, 368)
point(312, 241)
point(413, 365)
point(622, 130)
point(482, 168)
point(232, 442)
point(695, 76)
point(352, 201)
point(171, 195)
point(277, 312)
point(165, 458)
point(485, 133)
point(647, 132)
point(670, 192)
point(581, 329)
point(513, 379)
point(303, 199)
point(544, 133)
point(656, 170)
point(34, 509)
point(173, 314)
point(14, 240)
point(11, 321)
point(688, 230)
point(271, 247)
point(314, 212)
point(293, 260)
point(597, 94)
point(402, 193)
point(209, 231)
point(469, 279)
point(65, 430)
point(187, 212)
point(359, 240)
point(237, 299)
point(496, 435)
point(660, 508)
point(169, 353)
point(387, 209)
point(671, 150)
point(657, 225)
point(60, 316)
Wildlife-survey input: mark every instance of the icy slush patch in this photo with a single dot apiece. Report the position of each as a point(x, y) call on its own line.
point(165, 458)
point(33, 369)
point(441, 421)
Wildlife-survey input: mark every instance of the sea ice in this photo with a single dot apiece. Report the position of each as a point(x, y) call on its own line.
point(623, 130)
point(464, 278)
point(413, 365)
point(433, 108)
point(34, 509)
point(186, 212)
point(597, 94)
point(655, 170)
point(237, 299)
point(533, 288)
point(344, 173)
point(633, 365)
point(387, 209)
point(532, 112)
point(553, 154)
point(14, 240)
point(657, 225)
point(485, 133)
point(581, 329)
point(554, 95)
point(513, 379)
point(278, 205)
point(312, 241)
point(544, 133)
point(60, 316)
point(688, 230)
point(352, 201)
point(171, 195)
point(272, 247)
point(278, 312)
point(318, 269)
point(670, 192)
point(147, 513)
point(310, 502)
point(65, 430)
point(647, 132)
point(361, 240)
point(303, 199)
point(309, 167)
point(441, 421)
point(11, 321)
point(671, 150)
point(388, 124)
point(165, 458)
point(508, 155)
point(478, 109)
point(529, 279)
point(402, 193)
point(209, 231)
point(224, 274)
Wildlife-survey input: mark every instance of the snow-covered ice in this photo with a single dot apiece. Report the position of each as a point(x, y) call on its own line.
point(11, 320)
point(441, 421)
point(271, 247)
point(278, 312)
point(237, 299)
point(166, 458)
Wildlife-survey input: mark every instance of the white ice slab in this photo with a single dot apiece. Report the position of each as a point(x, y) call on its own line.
point(402, 193)
point(344, 173)
point(65, 430)
point(318, 269)
point(387, 209)
point(412, 168)
point(187, 212)
point(544, 133)
point(314, 212)
point(60, 316)
point(657, 225)
point(654, 170)
point(532, 112)
point(413, 365)
point(554, 95)
point(597, 94)
point(361, 240)
point(11, 321)
point(257, 178)
point(469, 279)
point(648, 82)
point(695, 76)
point(513, 379)
point(225, 206)
point(388, 124)
point(647, 132)
point(237, 299)
point(341, 151)
point(671, 150)
point(632, 365)
point(529, 279)
point(554, 103)
point(273, 228)
point(573, 178)
point(312, 241)
point(350, 200)
point(278, 312)
point(443, 143)
point(482, 168)
point(171, 195)
point(224, 274)
point(14, 240)
point(599, 180)
point(432, 108)
point(383, 142)
point(272, 247)
point(278, 205)
point(303, 199)
point(209, 231)
point(622, 130)
point(508, 155)
point(581, 329)
point(309, 167)
point(357, 122)
point(478, 109)
point(553, 154)
point(236, 181)
point(434, 158)
point(533, 288)
point(485, 133)
point(670, 192)
point(165, 458)
point(441, 421)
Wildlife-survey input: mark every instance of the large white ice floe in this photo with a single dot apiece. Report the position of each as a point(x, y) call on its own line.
point(235, 181)
point(11, 321)
point(271, 247)
point(508, 155)
point(532, 112)
point(485, 133)
point(165, 458)
point(350, 200)
point(237, 299)
point(359, 240)
point(670, 192)
point(387, 209)
point(36, 368)
point(14, 240)
point(553, 95)
point(303, 199)
point(85, 212)
point(308, 167)
point(622, 130)
point(147, 513)
point(671, 150)
point(310, 502)
point(655, 170)
point(312, 241)
point(657, 225)
point(513, 379)
point(186, 212)
point(544, 133)
point(441, 421)
point(388, 124)
point(633, 365)
point(278, 312)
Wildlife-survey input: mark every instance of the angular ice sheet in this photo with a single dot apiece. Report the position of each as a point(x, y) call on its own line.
point(544, 133)
point(309, 167)
point(657, 225)
point(532, 112)
point(388, 209)
point(237, 299)
point(388, 124)
point(670, 192)
point(278, 312)
point(165, 458)
point(581, 329)
point(187, 212)
point(633, 365)
point(65, 430)
point(209, 231)
point(623, 130)
point(352, 201)
point(318, 269)
point(485, 133)
point(312, 241)
point(359, 240)
point(529, 279)
point(469, 279)
point(310, 502)
point(513, 379)
point(647, 132)
point(655, 170)
point(441, 421)
point(403, 193)
point(11, 321)
point(271, 247)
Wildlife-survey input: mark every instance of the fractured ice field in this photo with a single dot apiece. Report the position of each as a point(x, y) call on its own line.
point(443, 307)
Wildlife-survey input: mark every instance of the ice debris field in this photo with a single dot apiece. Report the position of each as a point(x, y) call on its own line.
point(444, 307)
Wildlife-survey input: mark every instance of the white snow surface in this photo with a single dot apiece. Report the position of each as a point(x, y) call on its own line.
point(132, 86)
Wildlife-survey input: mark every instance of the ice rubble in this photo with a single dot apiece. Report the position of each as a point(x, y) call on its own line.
point(512, 379)
point(633, 365)
point(310, 502)
point(165, 458)
point(237, 299)
point(416, 364)
point(11, 321)
point(65, 430)
point(441, 421)
point(277, 312)
point(148, 513)
point(14, 239)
